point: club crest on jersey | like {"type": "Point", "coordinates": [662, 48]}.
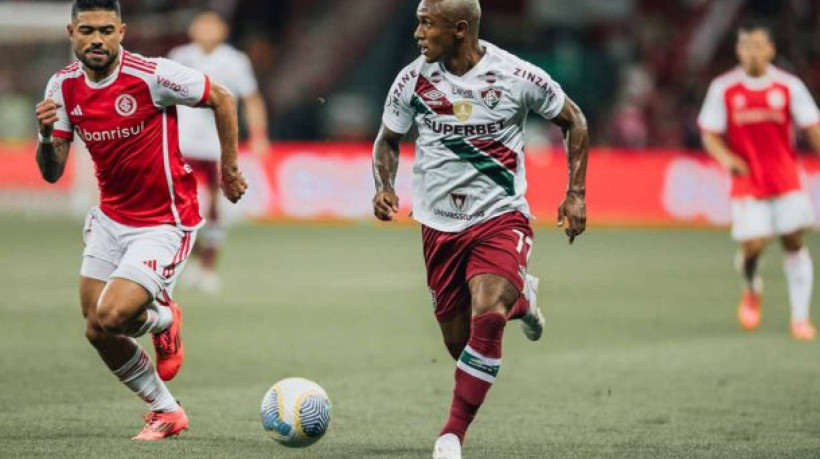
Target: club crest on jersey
{"type": "Point", "coordinates": [776, 99]}
{"type": "Point", "coordinates": [463, 109]}
{"type": "Point", "coordinates": [491, 97]}
{"type": "Point", "coordinates": [125, 105]}
{"type": "Point", "coordinates": [459, 201]}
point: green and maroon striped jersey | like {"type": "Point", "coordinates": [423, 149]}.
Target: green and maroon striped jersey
{"type": "Point", "coordinates": [469, 164]}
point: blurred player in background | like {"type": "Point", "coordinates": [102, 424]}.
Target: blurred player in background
{"type": "Point", "coordinates": [123, 106]}
{"type": "Point", "coordinates": [470, 100]}
{"type": "Point", "coordinates": [746, 124]}
{"type": "Point", "coordinates": [198, 139]}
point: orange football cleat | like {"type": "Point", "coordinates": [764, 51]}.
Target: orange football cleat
{"type": "Point", "coordinates": [748, 312]}
{"type": "Point", "coordinates": [159, 425]}
{"type": "Point", "coordinates": [168, 345]}
{"type": "Point", "coordinates": [803, 330]}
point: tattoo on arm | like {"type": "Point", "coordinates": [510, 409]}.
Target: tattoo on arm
{"type": "Point", "coordinates": [51, 159]}
{"type": "Point", "coordinates": [386, 159]}
{"type": "Point", "coordinates": [576, 141]}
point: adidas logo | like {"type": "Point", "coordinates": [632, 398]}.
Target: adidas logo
{"type": "Point", "coordinates": [77, 111]}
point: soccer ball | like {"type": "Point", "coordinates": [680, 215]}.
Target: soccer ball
{"type": "Point", "coordinates": [296, 412]}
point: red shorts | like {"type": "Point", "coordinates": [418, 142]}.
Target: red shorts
{"type": "Point", "coordinates": [499, 246]}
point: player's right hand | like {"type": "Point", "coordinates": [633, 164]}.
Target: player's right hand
{"type": "Point", "coordinates": [46, 112]}
{"type": "Point", "coordinates": [385, 205]}
{"type": "Point", "coordinates": [736, 165]}
{"type": "Point", "coordinates": [233, 183]}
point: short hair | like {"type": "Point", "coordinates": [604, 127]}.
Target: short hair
{"type": "Point", "coordinates": [468, 10]}
{"type": "Point", "coordinates": [92, 5]}
{"type": "Point", "coordinates": [756, 24]}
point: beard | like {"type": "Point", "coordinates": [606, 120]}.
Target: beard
{"type": "Point", "coordinates": [97, 65]}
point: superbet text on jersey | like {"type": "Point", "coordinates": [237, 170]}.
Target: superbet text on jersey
{"type": "Point", "coordinates": [128, 122]}
{"type": "Point", "coordinates": [757, 115]}
{"type": "Point", "coordinates": [469, 163]}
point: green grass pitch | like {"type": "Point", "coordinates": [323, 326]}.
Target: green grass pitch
{"type": "Point", "coordinates": [642, 356]}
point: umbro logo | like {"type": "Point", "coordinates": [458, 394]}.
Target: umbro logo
{"type": "Point", "coordinates": [77, 111]}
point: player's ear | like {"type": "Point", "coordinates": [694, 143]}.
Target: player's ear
{"type": "Point", "coordinates": [122, 32]}
{"type": "Point", "coordinates": [462, 29]}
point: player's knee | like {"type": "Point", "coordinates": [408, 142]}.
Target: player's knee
{"type": "Point", "coordinates": [792, 242]}
{"type": "Point", "coordinates": [111, 319]}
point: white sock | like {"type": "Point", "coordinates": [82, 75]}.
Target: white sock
{"type": "Point", "coordinates": [157, 319]}
{"type": "Point", "coordinates": [799, 277]}
{"type": "Point", "coordinates": [139, 375]}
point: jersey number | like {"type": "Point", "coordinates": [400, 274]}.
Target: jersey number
{"type": "Point", "coordinates": [523, 238]}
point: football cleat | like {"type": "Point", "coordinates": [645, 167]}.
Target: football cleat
{"type": "Point", "coordinates": [159, 425]}
{"type": "Point", "coordinates": [168, 346]}
{"type": "Point", "coordinates": [532, 323]}
{"type": "Point", "coordinates": [803, 330]}
{"type": "Point", "coordinates": [447, 447]}
{"type": "Point", "coordinates": [748, 312]}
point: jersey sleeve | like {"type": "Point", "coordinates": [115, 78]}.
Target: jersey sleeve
{"type": "Point", "coordinates": [62, 127]}
{"type": "Point", "coordinates": [712, 117]}
{"type": "Point", "coordinates": [398, 109]}
{"type": "Point", "coordinates": [176, 84]}
{"type": "Point", "coordinates": [803, 108]}
{"type": "Point", "coordinates": [540, 93]}
{"type": "Point", "coordinates": [245, 79]}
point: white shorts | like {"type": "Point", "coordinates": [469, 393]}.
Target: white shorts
{"type": "Point", "coordinates": [764, 218]}
{"type": "Point", "coordinates": [152, 256]}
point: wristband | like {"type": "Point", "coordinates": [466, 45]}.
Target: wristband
{"type": "Point", "coordinates": [43, 139]}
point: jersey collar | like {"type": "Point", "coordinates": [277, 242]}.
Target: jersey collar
{"type": "Point", "coordinates": [757, 83]}
{"type": "Point", "coordinates": [477, 68]}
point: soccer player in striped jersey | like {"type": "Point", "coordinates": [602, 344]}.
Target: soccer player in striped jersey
{"type": "Point", "coordinates": [123, 106]}
{"type": "Point", "coordinates": [469, 100]}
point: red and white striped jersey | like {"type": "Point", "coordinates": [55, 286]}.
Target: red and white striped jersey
{"type": "Point", "coordinates": [757, 117]}
{"type": "Point", "coordinates": [128, 122]}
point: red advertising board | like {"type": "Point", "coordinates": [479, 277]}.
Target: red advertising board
{"type": "Point", "coordinates": [321, 181]}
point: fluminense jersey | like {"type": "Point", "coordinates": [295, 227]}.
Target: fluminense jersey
{"type": "Point", "coordinates": [225, 65]}
{"type": "Point", "coordinates": [757, 115]}
{"type": "Point", "coordinates": [128, 122]}
{"type": "Point", "coordinates": [469, 164]}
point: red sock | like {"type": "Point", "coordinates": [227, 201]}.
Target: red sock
{"type": "Point", "coordinates": [475, 372]}
{"type": "Point", "coordinates": [519, 309]}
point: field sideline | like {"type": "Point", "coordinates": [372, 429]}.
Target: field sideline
{"type": "Point", "coordinates": [642, 356]}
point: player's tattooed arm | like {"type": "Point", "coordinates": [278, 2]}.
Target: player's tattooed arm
{"type": "Point", "coordinates": [224, 106]}
{"type": "Point", "coordinates": [52, 153]}
{"type": "Point", "coordinates": [572, 213]}
{"type": "Point", "coordinates": [385, 167]}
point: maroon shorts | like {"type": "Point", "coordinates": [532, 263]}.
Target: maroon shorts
{"type": "Point", "coordinates": [499, 246]}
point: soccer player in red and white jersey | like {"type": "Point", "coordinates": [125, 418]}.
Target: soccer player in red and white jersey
{"type": "Point", "coordinates": [747, 124]}
{"type": "Point", "coordinates": [469, 100]}
{"type": "Point", "coordinates": [123, 106]}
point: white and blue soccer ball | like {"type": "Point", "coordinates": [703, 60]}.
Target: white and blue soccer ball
{"type": "Point", "coordinates": [296, 412]}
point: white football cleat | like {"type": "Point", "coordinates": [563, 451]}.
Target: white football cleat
{"type": "Point", "coordinates": [533, 322]}
{"type": "Point", "coordinates": [447, 447]}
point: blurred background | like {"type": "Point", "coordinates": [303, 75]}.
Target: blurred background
{"type": "Point", "coordinates": [639, 69]}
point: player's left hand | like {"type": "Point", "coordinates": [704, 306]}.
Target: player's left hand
{"type": "Point", "coordinates": [572, 215]}
{"type": "Point", "coordinates": [234, 184]}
